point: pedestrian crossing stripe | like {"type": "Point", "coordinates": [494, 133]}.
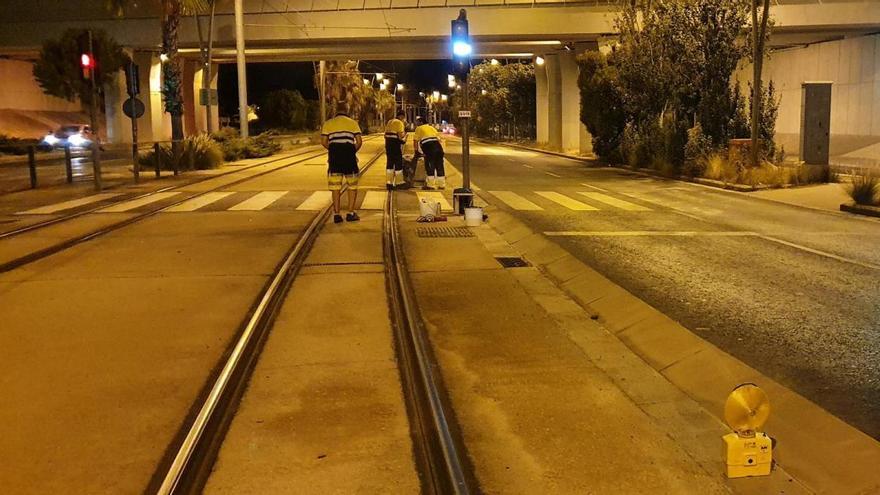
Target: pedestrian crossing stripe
{"type": "Point", "coordinates": [571, 204]}
{"type": "Point", "coordinates": [515, 201]}
{"type": "Point", "coordinates": [374, 200]}
{"type": "Point", "coordinates": [435, 196]}
{"type": "Point", "coordinates": [68, 205]}
{"type": "Point", "coordinates": [137, 203]}
{"type": "Point", "coordinates": [610, 200]}
{"type": "Point", "coordinates": [317, 201]}
{"type": "Point", "coordinates": [200, 201]}
{"type": "Point", "coordinates": [258, 201]}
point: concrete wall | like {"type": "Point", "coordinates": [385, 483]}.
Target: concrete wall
{"type": "Point", "coordinates": [541, 95]}
{"type": "Point", "coordinates": [853, 65]}
{"type": "Point", "coordinates": [20, 90]}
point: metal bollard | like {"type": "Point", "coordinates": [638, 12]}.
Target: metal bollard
{"type": "Point", "coordinates": [68, 164]}
{"type": "Point", "coordinates": [158, 159]}
{"type": "Point", "coordinates": [175, 156]}
{"type": "Point", "coordinates": [32, 166]}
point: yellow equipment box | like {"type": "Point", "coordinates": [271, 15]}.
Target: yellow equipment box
{"type": "Point", "coordinates": [747, 456]}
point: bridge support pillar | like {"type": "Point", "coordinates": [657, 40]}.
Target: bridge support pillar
{"type": "Point", "coordinates": [575, 137]}
{"type": "Point", "coordinates": [117, 127]}
{"type": "Point", "coordinates": [554, 101]}
{"type": "Point", "coordinates": [541, 100]}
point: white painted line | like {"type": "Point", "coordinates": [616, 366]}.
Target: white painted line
{"type": "Point", "coordinates": [610, 200]}
{"type": "Point", "coordinates": [66, 205]}
{"type": "Point", "coordinates": [515, 201]}
{"type": "Point", "coordinates": [436, 196]}
{"type": "Point", "coordinates": [200, 201]}
{"type": "Point", "coordinates": [641, 233]}
{"type": "Point", "coordinates": [137, 203]}
{"type": "Point", "coordinates": [551, 174]}
{"type": "Point", "coordinates": [526, 165]}
{"type": "Point", "coordinates": [594, 187]}
{"type": "Point", "coordinates": [258, 201]}
{"type": "Point", "coordinates": [475, 187]}
{"type": "Point", "coordinates": [571, 204]}
{"type": "Point", "coordinates": [317, 201]}
{"type": "Point", "coordinates": [821, 253]}
{"type": "Point", "coordinates": [374, 200]}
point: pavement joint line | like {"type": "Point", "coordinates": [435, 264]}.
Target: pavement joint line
{"type": "Point", "coordinates": [820, 253]}
{"type": "Point", "coordinates": [635, 233]}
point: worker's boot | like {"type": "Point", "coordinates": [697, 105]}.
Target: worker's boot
{"type": "Point", "coordinates": [389, 179]}
{"type": "Point", "coordinates": [440, 182]}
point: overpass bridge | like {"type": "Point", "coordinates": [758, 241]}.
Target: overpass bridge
{"type": "Point", "coordinates": [308, 30]}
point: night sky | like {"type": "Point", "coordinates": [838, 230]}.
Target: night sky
{"type": "Point", "coordinates": [419, 75]}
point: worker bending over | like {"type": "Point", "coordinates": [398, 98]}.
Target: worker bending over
{"type": "Point", "coordinates": [427, 142]}
{"type": "Point", "coordinates": [342, 137]}
{"type": "Point", "coordinates": [395, 139]}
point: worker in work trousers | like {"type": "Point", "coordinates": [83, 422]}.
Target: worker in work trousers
{"type": "Point", "coordinates": [395, 138]}
{"type": "Point", "coordinates": [427, 143]}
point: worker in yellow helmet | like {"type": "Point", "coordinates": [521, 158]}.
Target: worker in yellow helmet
{"type": "Point", "coordinates": [395, 139]}
{"type": "Point", "coordinates": [427, 142]}
{"type": "Point", "coordinates": [341, 135]}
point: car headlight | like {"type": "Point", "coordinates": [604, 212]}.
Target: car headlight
{"type": "Point", "coordinates": [78, 140]}
{"type": "Point", "coordinates": [50, 139]}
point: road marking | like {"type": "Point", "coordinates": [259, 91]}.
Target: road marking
{"type": "Point", "coordinates": [526, 165]}
{"type": "Point", "coordinates": [820, 253]}
{"type": "Point", "coordinates": [318, 200]}
{"type": "Point", "coordinates": [610, 200]}
{"type": "Point", "coordinates": [435, 196]}
{"type": "Point", "coordinates": [594, 187]}
{"type": "Point", "coordinates": [551, 174]}
{"type": "Point", "coordinates": [515, 201]}
{"type": "Point", "coordinates": [66, 205]}
{"type": "Point", "coordinates": [640, 233]}
{"type": "Point", "coordinates": [259, 201]}
{"type": "Point", "coordinates": [137, 203]}
{"type": "Point", "coordinates": [200, 201]}
{"type": "Point", "coordinates": [571, 204]}
{"type": "Point", "coordinates": [374, 200]}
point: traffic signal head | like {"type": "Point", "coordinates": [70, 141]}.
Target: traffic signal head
{"type": "Point", "coordinates": [85, 60]}
{"type": "Point", "coordinates": [461, 45]}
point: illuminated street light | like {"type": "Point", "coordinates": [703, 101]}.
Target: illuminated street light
{"type": "Point", "coordinates": [452, 83]}
{"type": "Point", "coordinates": [380, 76]}
{"type": "Point", "coordinates": [483, 92]}
{"type": "Point", "coordinates": [539, 60]}
{"type": "Point", "coordinates": [494, 61]}
{"type": "Point", "coordinates": [444, 97]}
{"type": "Point", "coordinates": [366, 82]}
{"type": "Point", "coordinates": [436, 95]}
{"type": "Point", "coordinates": [383, 86]}
{"type": "Point", "coordinates": [450, 77]}
{"type": "Point", "coordinates": [399, 86]}
{"type": "Point", "coordinates": [163, 57]}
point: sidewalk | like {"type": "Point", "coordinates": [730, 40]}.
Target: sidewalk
{"type": "Point", "coordinates": [545, 363]}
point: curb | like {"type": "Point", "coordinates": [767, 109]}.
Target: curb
{"type": "Point", "coordinates": [867, 210]}
{"type": "Point", "coordinates": [705, 373]}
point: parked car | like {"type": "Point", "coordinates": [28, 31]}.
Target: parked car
{"type": "Point", "coordinates": [75, 135]}
{"type": "Point", "coordinates": [449, 129]}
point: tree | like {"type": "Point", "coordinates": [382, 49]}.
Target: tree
{"type": "Point", "coordinates": [284, 109]}
{"type": "Point", "coordinates": [602, 104]}
{"type": "Point", "coordinates": [172, 10]}
{"type": "Point", "coordinates": [344, 86]}
{"type": "Point", "coordinates": [759, 38]}
{"type": "Point", "coordinates": [502, 98]}
{"type": "Point", "coordinates": [58, 70]}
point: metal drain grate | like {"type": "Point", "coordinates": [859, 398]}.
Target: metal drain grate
{"type": "Point", "coordinates": [444, 232]}
{"type": "Point", "coordinates": [512, 262]}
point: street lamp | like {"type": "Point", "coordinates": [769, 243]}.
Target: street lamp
{"type": "Point", "coordinates": [444, 97]}
{"type": "Point", "coordinates": [366, 82]}
{"type": "Point", "coordinates": [400, 86]}
{"type": "Point", "coordinates": [539, 60]}
{"type": "Point", "coordinates": [380, 76]}
{"type": "Point", "coordinates": [436, 95]}
{"type": "Point", "coordinates": [494, 61]}
{"type": "Point", "coordinates": [452, 83]}
{"type": "Point", "coordinates": [163, 57]}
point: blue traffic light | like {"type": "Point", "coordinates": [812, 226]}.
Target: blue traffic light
{"type": "Point", "coordinates": [461, 48]}
{"type": "Point", "coordinates": [461, 45]}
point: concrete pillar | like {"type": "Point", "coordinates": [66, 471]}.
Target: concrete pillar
{"type": "Point", "coordinates": [190, 96]}
{"type": "Point", "coordinates": [158, 121]}
{"type": "Point", "coordinates": [541, 122]}
{"type": "Point", "coordinates": [117, 127]}
{"type": "Point", "coordinates": [201, 114]}
{"type": "Point", "coordinates": [575, 137]}
{"type": "Point", "coordinates": [554, 101]}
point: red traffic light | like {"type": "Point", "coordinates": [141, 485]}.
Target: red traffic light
{"type": "Point", "coordinates": [85, 60]}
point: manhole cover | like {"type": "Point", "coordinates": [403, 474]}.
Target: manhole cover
{"type": "Point", "coordinates": [444, 232]}
{"type": "Point", "coordinates": [512, 262]}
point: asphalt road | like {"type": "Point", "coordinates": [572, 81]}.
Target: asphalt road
{"type": "Point", "coordinates": [793, 292]}
{"type": "Point", "coordinates": [15, 176]}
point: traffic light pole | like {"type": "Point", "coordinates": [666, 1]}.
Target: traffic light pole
{"type": "Point", "coordinates": [93, 117]}
{"type": "Point", "coordinates": [465, 140]}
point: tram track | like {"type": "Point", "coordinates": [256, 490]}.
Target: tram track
{"type": "Point", "coordinates": [77, 240]}
{"type": "Point", "coordinates": [437, 446]}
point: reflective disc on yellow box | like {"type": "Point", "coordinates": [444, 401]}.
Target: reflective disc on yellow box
{"type": "Point", "coordinates": [747, 408]}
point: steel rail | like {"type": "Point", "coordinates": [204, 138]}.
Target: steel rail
{"type": "Point", "coordinates": [54, 221]}
{"type": "Point", "coordinates": [438, 448]}
{"type": "Point", "coordinates": [191, 465]}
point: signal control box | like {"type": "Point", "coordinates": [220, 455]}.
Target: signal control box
{"type": "Point", "coordinates": [748, 455]}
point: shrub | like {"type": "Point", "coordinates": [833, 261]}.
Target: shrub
{"type": "Point", "coordinates": [696, 151]}
{"type": "Point", "coordinates": [259, 146]}
{"type": "Point", "coordinates": [224, 134]}
{"type": "Point", "coordinates": [602, 110]}
{"type": "Point", "coordinates": [198, 152]}
{"type": "Point", "coordinates": [865, 188]}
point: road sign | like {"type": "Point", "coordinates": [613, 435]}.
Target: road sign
{"type": "Point", "coordinates": [464, 114]}
{"type": "Point", "coordinates": [133, 108]}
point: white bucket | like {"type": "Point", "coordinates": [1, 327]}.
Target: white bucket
{"type": "Point", "coordinates": [473, 217]}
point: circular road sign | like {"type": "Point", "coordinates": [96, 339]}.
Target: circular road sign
{"type": "Point", "coordinates": [133, 108]}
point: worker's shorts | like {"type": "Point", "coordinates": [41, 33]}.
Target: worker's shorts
{"type": "Point", "coordinates": [334, 181]}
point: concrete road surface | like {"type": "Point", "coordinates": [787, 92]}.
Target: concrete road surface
{"type": "Point", "coordinates": [792, 291]}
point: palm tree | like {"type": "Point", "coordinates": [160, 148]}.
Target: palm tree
{"type": "Point", "coordinates": [172, 11]}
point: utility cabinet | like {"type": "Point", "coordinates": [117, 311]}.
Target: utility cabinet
{"type": "Point", "coordinates": [815, 122]}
